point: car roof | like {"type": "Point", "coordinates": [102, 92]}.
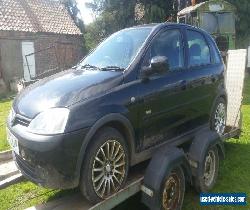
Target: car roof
{"type": "Point", "coordinates": [158, 26]}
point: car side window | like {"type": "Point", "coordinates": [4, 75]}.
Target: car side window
{"type": "Point", "coordinates": [199, 53]}
{"type": "Point", "coordinates": [217, 58]}
{"type": "Point", "coordinates": [169, 44]}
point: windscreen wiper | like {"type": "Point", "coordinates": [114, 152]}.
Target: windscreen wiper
{"type": "Point", "coordinates": [112, 68]}
{"type": "Point", "coordinates": [89, 66]}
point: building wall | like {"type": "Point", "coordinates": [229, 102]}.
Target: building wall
{"type": "Point", "coordinates": [11, 59]}
{"type": "Point", "coordinates": [57, 52]}
{"type": "Point", "coordinates": [51, 51]}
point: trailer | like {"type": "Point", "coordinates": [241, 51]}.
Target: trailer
{"type": "Point", "coordinates": [173, 166]}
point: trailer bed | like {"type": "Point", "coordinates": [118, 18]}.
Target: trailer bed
{"type": "Point", "coordinates": [76, 201]}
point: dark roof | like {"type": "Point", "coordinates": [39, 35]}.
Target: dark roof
{"type": "Point", "coordinates": [36, 16]}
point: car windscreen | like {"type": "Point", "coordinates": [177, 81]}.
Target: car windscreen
{"type": "Point", "coordinates": [119, 49]}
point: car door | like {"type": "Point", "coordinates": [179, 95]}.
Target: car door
{"type": "Point", "coordinates": [200, 78]}
{"type": "Point", "coordinates": [164, 95]}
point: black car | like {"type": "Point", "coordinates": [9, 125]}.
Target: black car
{"type": "Point", "coordinates": [141, 88]}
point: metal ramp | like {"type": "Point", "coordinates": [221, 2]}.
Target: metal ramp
{"type": "Point", "coordinates": [234, 79]}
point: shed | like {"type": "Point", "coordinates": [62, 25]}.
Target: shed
{"type": "Point", "coordinates": [36, 36]}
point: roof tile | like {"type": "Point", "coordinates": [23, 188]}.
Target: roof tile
{"type": "Point", "coordinates": [36, 16]}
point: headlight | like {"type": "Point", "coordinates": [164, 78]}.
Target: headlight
{"type": "Point", "coordinates": [51, 121]}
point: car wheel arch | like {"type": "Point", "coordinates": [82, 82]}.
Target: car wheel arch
{"type": "Point", "coordinates": [116, 121]}
{"type": "Point", "coordinates": [224, 96]}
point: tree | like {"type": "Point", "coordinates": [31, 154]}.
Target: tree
{"type": "Point", "coordinates": [158, 10]}
{"type": "Point", "coordinates": [97, 6]}
{"type": "Point", "coordinates": [113, 15]}
{"type": "Point", "coordinates": [74, 12]}
{"type": "Point", "coordinates": [110, 16]}
{"type": "Point", "coordinates": [242, 22]}
{"type": "Point", "coordinates": [102, 27]}
{"type": "Point", "coordinates": [121, 10]}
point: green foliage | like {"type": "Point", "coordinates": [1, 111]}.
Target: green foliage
{"type": "Point", "coordinates": [98, 30]}
{"type": "Point", "coordinates": [154, 13]}
{"type": "Point", "coordinates": [113, 15]}
{"type": "Point", "coordinates": [157, 11]}
{"type": "Point", "coordinates": [242, 22]}
{"type": "Point", "coordinates": [5, 105]}
{"type": "Point", "coordinates": [73, 10]}
{"type": "Point", "coordinates": [123, 12]}
{"type": "Point", "coordinates": [96, 6]}
{"type": "Point", "coordinates": [246, 93]}
{"type": "Point", "coordinates": [26, 194]}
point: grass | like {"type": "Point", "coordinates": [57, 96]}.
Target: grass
{"type": "Point", "coordinates": [26, 194]}
{"type": "Point", "coordinates": [5, 105]}
{"type": "Point", "coordinates": [234, 176]}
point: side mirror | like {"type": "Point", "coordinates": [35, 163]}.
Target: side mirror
{"type": "Point", "coordinates": [158, 65]}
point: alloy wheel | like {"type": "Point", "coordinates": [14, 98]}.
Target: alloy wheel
{"type": "Point", "coordinates": [108, 170]}
{"type": "Point", "coordinates": [220, 118]}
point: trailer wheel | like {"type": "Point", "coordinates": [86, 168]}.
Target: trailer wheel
{"type": "Point", "coordinates": [105, 167]}
{"type": "Point", "coordinates": [173, 190]}
{"type": "Point", "coordinates": [209, 171]}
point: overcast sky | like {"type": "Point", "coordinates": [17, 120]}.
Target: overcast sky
{"type": "Point", "coordinates": [85, 12]}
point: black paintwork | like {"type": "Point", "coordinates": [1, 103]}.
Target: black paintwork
{"type": "Point", "coordinates": [180, 101]}
{"type": "Point", "coordinates": [64, 89]}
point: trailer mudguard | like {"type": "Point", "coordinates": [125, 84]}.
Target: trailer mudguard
{"type": "Point", "coordinates": [161, 164]}
{"type": "Point", "coordinates": [197, 151]}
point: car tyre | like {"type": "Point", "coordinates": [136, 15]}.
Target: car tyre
{"type": "Point", "coordinates": [173, 190]}
{"type": "Point", "coordinates": [105, 167]}
{"type": "Point", "coordinates": [208, 172]}
{"type": "Point", "coordinates": [218, 116]}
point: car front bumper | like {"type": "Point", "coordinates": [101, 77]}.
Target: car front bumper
{"type": "Point", "coordinates": [50, 161]}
